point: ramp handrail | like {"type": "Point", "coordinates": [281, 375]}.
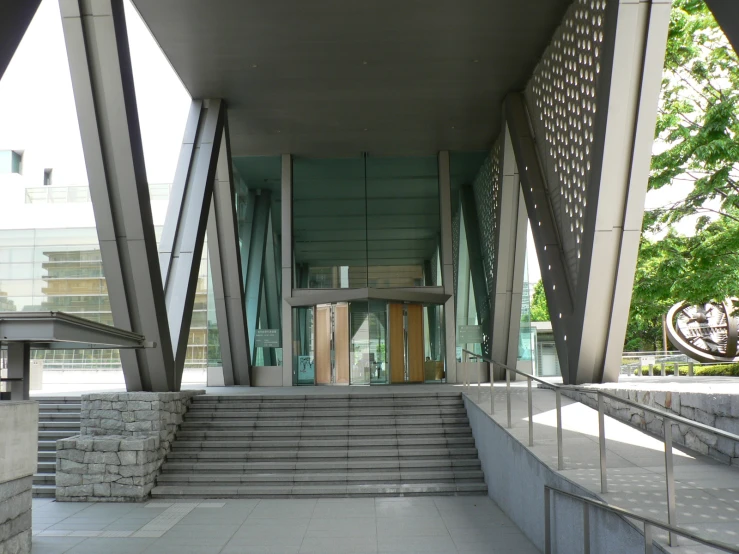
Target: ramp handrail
{"type": "Point", "coordinates": [600, 395]}
{"type": "Point", "coordinates": [550, 492]}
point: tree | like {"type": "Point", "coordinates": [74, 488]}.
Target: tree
{"type": "Point", "coordinates": [698, 130]}
{"type": "Point", "coordinates": [539, 308]}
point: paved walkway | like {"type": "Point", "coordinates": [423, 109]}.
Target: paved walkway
{"type": "Point", "coordinates": [707, 491]}
{"type": "Point", "coordinates": [463, 524]}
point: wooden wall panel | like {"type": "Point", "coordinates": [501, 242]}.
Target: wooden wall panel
{"type": "Point", "coordinates": [323, 345]}
{"type": "Point", "coordinates": [341, 345]}
{"type": "Point", "coordinates": [396, 343]}
{"type": "Point", "coordinates": [415, 343]}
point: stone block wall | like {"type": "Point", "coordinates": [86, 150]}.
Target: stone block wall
{"type": "Point", "coordinates": [717, 410]}
{"type": "Point", "coordinates": [110, 468]}
{"type": "Point", "coordinates": [124, 440]}
{"type": "Point", "coordinates": [15, 516]}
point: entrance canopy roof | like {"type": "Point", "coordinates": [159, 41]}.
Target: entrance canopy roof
{"type": "Point", "coordinates": [332, 78]}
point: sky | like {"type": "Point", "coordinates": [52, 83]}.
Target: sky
{"type": "Point", "coordinates": [37, 111]}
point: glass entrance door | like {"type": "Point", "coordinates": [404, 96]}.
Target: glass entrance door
{"type": "Point", "coordinates": [368, 342]}
{"type": "Point", "coordinates": [406, 343]}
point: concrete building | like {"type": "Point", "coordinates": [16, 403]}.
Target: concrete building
{"type": "Point", "coordinates": [359, 178]}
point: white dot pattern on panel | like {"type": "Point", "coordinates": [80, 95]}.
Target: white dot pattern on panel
{"type": "Point", "coordinates": [487, 197]}
{"type": "Point", "coordinates": [562, 97]}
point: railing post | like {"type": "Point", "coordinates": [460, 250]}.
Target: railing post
{"type": "Point", "coordinates": [586, 528]}
{"type": "Point", "coordinates": [492, 389]}
{"type": "Point", "coordinates": [651, 370]}
{"type": "Point", "coordinates": [670, 480]}
{"type": "Point", "coordinates": [547, 521]}
{"type": "Point", "coordinates": [648, 547]}
{"type": "Point", "coordinates": [531, 414]}
{"type": "Point", "coordinates": [602, 443]}
{"type": "Point", "coordinates": [663, 368]}
{"type": "Point", "coordinates": [508, 394]}
{"type": "Point", "coordinates": [560, 454]}
{"type": "Point", "coordinates": [690, 369]}
{"type": "Point", "coordinates": [477, 370]}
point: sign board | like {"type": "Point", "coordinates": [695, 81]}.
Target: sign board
{"type": "Point", "coordinates": [306, 370]}
{"type": "Point", "coordinates": [467, 334]}
{"type": "Point", "coordinates": [267, 338]}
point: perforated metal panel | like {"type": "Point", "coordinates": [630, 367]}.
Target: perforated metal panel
{"type": "Point", "coordinates": [561, 98]}
{"type": "Point", "coordinates": [487, 200]}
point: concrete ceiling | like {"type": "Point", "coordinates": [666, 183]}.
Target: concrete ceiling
{"type": "Point", "coordinates": [332, 78]}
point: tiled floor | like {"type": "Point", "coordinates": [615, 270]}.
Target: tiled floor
{"type": "Point", "coordinates": [447, 525]}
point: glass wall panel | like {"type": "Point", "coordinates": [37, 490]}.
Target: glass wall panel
{"type": "Point", "coordinates": [304, 358]}
{"type": "Point", "coordinates": [330, 223]}
{"type": "Point", "coordinates": [378, 342]}
{"type": "Point", "coordinates": [403, 222]}
{"type": "Point", "coordinates": [360, 353]}
{"type": "Point", "coordinates": [434, 343]}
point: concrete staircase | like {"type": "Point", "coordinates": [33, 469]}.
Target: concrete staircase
{"type": "Point", "coordinates": [350, 444]}
{"type": "Point", "coordinates": [59, 418]}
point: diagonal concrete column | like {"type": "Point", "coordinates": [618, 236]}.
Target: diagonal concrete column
{"type": "Point", "coordinates": [100, 66]}
{"type": "Point", "coordinates": [14, 23]}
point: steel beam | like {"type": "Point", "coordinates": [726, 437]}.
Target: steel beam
{"type": "Point", "coordinates": [447, 266]}
{"type": "Point", "coordinates": [255, 267]}
{"type": "Point", "coordinates": [14, 23]}
{"type": "Point", "coordinates": [286, 197]}
{"type": "Point", "coordinates": [183, 235]}
{"type": "Point", "coordinates": [474, 251]}
{"type": "Point", "coordinates": [588, 272]}
{"type": "Point", "coordinates": [226, 271]}
{"type": "Point", "coordinates": [510, 248]}
{"type": "Point", "coordinates": [271, 288]}
{"type": "Point", "coordinates": [102, 81]}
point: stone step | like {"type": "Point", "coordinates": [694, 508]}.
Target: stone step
{"type": "Point", "coordinates": [330, 433]}
{"type": "Point", "coordinates": [201, 412]}
{"type": "Point", "coordinates": [327, 454]}
{"type": "Point", "coordinates": [55, 434]}
{"type": "Point", "coordinates": [349, 477]}
{"type": "Point", "coordinates": [312, 405]}
{"type": "Point", "coordinates": [44, 479]}
{"type": "Point", "coordinates": [57, 399]}
{"type": "Point", "coordinates": [309, 491]}
{"type": "Point", "coordinates": [45, 408]}
{"type": "Point", "coordinates": [46, 466]}
{"type": "Point", "coordinates": [324, 422]}
{"type": "Point", "coordinates": [381, 464]}
{"type": "Point", "coordinates": [59, 416]}
{"type": "Point", "coordinates": [46, 445]}
{"type": "Point", "coordinates": [319, 443]}
{"type": "Point", "coordinates": [327, 396]}
{"type": "Point", "coordinates": [43, 491]}
{"type": "Point", "coordinates": [61, 425]}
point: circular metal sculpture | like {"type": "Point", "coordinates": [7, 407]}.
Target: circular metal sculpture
{"type": "Point", "coordinates": [706, 332]}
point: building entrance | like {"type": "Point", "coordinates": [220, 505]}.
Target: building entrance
{"type": "Point", "coordinates": [367, 343]}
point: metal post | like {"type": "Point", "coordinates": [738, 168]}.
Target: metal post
{"type": "Point", "coordinates": [662, 369]}
{"type": "Point", "coordinates": [690, 369]}
{"type": "Point", "coordinates": [492, 389]}
{"type": "Point", "coordinates": [477, 370]}
{"type": "Point", "coordinates": [670, 480]}
{"type": "Point", "coordinates": [531, 414]}
{"type": "Point", "coordinates": [651, 370]}
{"type": "Point", "coordinates": [586, 528]}
{"type": "Point", "coordinates": [19, 367]}
{"type": "Point", "coordinates": [560, 454]}
{"type": "Point", "coordinates": [508, 394]}
{"type": "Point", "coordinates": [547, 521]}
{"type": "Point", "coordinates": [602, 443]}
{"type": "Point", "coordinates": [648, 547]}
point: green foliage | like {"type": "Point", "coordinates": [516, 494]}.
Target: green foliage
{"type": "Point", "coordinates": [721, 370]}
{"type": "Point", "coordinates": [539, 308]}
{"type": "Point", "coordinates": [698, 124]}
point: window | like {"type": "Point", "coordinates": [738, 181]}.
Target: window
{"type": "Point", "coordinates": [11, 161]}
{"type": "Point", "coordinates": [47, 177]}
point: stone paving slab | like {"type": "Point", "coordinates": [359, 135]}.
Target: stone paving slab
{"type": "Point", "coordinates": [448, 525]}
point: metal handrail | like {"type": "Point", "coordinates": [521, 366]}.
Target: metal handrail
{"type": "Point", "coordinates": [648, 522]}
{"type": "Point", "coordinates": [600, 395]}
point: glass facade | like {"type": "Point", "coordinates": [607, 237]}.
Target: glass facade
{"type": "Point", "coordinates": [366, 222]}
{"type": "Point", "coordinates": [372, 342]}
{"type": "Point", "coordinates": [62, 270]}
